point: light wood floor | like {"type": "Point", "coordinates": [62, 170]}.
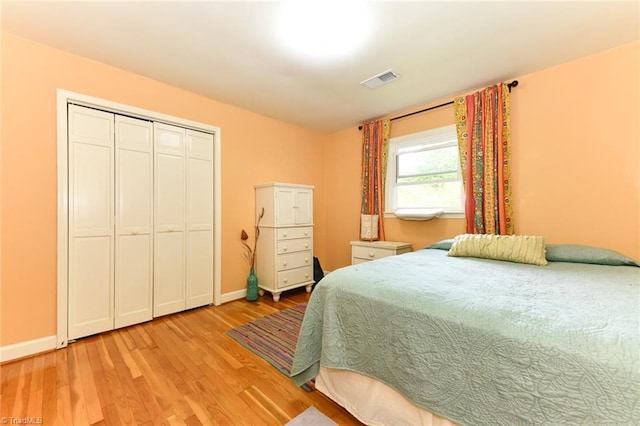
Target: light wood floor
{"type": "Point", "coordinates": [181, 369]}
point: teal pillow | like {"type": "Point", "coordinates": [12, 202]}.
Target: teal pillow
{"type": "Point", "coordinates": [442, 245]}
{"type": "Point", "coordinates": [585, 254]}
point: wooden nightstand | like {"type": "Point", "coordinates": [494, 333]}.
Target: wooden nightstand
{"type": "Point", "coordinates": [365, 251]}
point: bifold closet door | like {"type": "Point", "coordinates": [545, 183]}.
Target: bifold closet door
{"type": "Point", "coordinates": [169, 219]}
{"type": "Point", "coordinates": [134, 221]}
{"type": "Point", "coordinates": [91, 227]}
{"type": "Point", "coordinates": [199, 215]}
{"type": "Point", "coordinates": [183, 261]}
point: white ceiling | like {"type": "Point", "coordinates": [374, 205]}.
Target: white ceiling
{"type": "Point", "coordinates": [231, 52]}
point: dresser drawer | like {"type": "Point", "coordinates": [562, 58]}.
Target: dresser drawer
{"type": "Point", "coordinates": [293, 260]}
{"type": "Point", "coordinates": [371, 253]}
{"type": "Point", "coordinates": [290, 246]}
{"type": "Point", "coordinates": [292, 233]}
{"type": "Point", "coordinates": [294, 276]}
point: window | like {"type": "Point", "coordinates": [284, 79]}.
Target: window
{"type": "Point", "coordinates": [424, 172]}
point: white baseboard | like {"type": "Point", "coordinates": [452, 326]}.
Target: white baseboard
{"type": "Point", "coordinates": [234, 295]}
{"type": "Point", "coordinates": [24, 349]}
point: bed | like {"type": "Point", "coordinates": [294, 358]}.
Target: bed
{"type": "Point", "coordinates": [478, 341]}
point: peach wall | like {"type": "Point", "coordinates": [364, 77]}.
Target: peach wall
{"type": "Point", "coordinates": [575, 158]}
{"type": "Point", "coordinates": [577, 163]}
{"type": "Point", "coordinates": [255, 149]}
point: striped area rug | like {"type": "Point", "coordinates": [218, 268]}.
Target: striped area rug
{"type": "Point", "coordinates": [273, 337]}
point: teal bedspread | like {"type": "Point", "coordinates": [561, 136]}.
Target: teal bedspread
{"type": "Point", "coordinates": [484, 342]}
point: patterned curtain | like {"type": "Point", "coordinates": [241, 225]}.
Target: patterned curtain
{"type": "Point", "coordinates": [482, 122]}
{"type": "Point", "coordinates": [375, 145]}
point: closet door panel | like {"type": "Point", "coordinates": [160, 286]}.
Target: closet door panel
{"type": "Point", "coordinates": [169, 294]}
{"type": "Point", "coordinates": [134, 221]}
{"type": "Point", "coordinates": [170, 193]}
{"type": "Point", "coordinates": [169, 219]}
{"type": "Point", "coordinates": [199, 269]}
{"type": "Point", "coordinates": [199, 255]}
{"type": "Point", "coordinates": [91, 298]}
{"type": "Point", "coordinates": [134, 281]}
{"type": "Point", "coordinates": [91, 226]}
{"type": "Point", "coordinates": [200, 145]}
{"type": "Point", "coordinates": [135, 191]}
{"type": "Point", "coordinates": [92, 189]}
{"type": "Point", "coordinates": [200, 190]}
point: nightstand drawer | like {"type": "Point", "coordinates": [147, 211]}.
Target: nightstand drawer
{"type": "Point", "coordinates": [364, 251]}
{"type": "Point", "coordinates": [371, 253]}
{"type": "Point", "coordinates": [295, 276]}
{"type": "Point", "coordinates": [292, 233]}
{"type": "Point", "coordinates": [291, 246]}
{"type": "Point", "coordinates": [293, 260]}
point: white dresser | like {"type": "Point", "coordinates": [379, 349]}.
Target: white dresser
{"type": "Point", "coordinates": [284, 254]}
{"type": "Point", "coordinates": [365, 251]}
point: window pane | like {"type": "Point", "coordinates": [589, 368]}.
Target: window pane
{"type": "Point", "coordinates": [425, 162]}
{"type": "Point", "coordinates": [428, 178]}
{"type": "Point", "coordinates": [442, 194]}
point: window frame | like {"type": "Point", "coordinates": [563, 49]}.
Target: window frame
{"type": "Point", "coordinates": [435, 138]}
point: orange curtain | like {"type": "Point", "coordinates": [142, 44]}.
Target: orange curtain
{"type": "Point", "coordinates": [482, 122]}
{"type": "Point", "coordinates": [375, 145]}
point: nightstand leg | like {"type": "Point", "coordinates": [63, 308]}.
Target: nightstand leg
{"type": "Point", "coordinates": [261, 292]}
{"type": "Point", "coordinates": [308, 288]}
{"type": "Point", "coordinates": [276, 297]}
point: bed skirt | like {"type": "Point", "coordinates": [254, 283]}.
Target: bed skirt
{"type": "Point", "coordinates": [372, 402]}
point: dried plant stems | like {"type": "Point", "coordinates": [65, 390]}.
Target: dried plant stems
{"type": "Point", "coordinates": [250, 253]}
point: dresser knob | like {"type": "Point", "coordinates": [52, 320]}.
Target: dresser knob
{"type": "Point", "coordinates": [284, 263]}
{"type": "Point", "coordinates": [284, 248]}
{"type": "Point", "coordinates": [306, 246]}
{"type": "Point", "coordinates": [306, 259]}
{"type": "Point", "coordinates": [285, 280]}
{"type": "Point", "coordinates": [371, 254]}
{"type": "Point", "coordinates": [284, 234]}
{"type": "Point", "coordinates": [306, 275]}
{"type": "Point", "coordinates": [306, 233]}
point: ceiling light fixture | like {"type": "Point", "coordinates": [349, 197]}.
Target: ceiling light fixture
{"type": "Point", "coordinates": [323, 29]}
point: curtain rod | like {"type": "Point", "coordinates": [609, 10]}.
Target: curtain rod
{"type": "Point", "coordinates": [511, 85]}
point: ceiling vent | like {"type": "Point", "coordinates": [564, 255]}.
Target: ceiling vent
{"type": "Point", "coordinates": [378, 80]}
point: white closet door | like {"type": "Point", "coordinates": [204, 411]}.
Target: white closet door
{"type": "Point", "coordinates": [134, 221]}
{"type": "Point", "coordinates": [169, 219]}
{"type": "Point", "coordinates": [91, 228]}
{"type": "Point", "coordinates": [199, 264]}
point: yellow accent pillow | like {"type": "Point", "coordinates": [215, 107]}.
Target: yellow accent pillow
{"type": "Point", "coordinates": [512, 248]}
